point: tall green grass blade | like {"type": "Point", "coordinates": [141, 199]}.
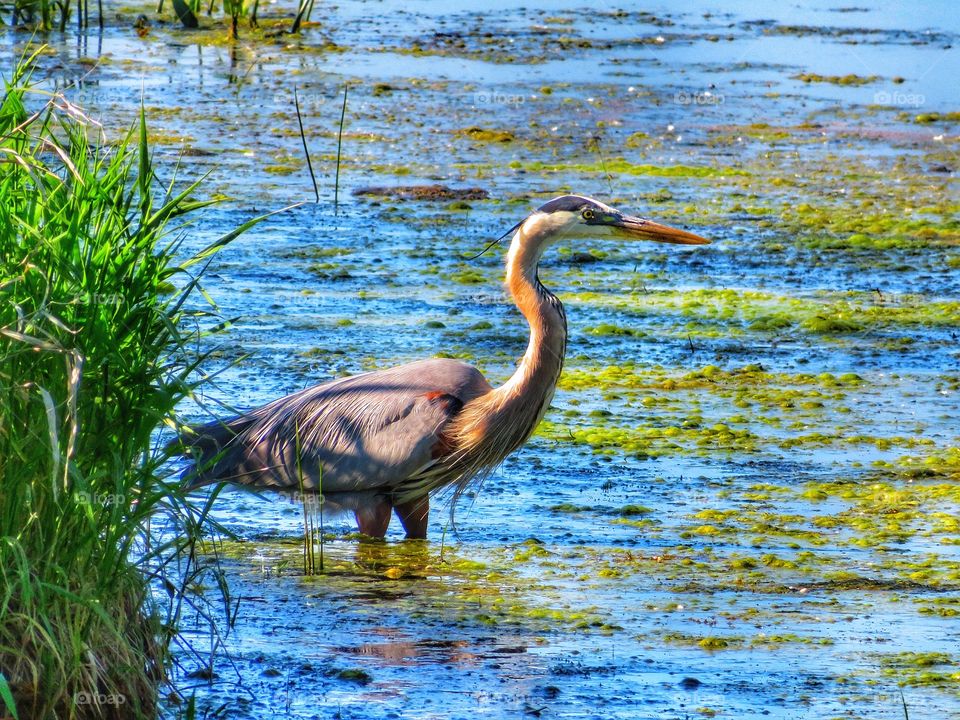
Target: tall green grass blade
{"type": "Point", "coordinates": [7, 697]}
{"type": "Point", "coordinates": [306, 150]}
{"type": "Point", "coordinates": [52, 423]}
{"type": "Point", "coordinates": [185, 14]}
{"type": "Point", "coordinates": [145, 173]}
{"type": "Point", "coordinates": [336, 180]}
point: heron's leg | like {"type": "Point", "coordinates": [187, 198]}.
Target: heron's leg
{"type": "Point", "coordinates": [414, 515]}
{"type": "Point", "coordinates": [374, 518]}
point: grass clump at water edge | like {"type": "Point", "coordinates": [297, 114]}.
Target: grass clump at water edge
{"type": "Point", "coordinates": [95, 353]}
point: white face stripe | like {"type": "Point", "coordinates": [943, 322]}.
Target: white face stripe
{"type": "Point", "coordinates": [556, 222]}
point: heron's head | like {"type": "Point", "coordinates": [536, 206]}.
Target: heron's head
{"type": "Point", "coordinates": [575, 216]}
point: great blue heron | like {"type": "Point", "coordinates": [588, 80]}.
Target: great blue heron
{"type": "Point", "coordinates": [384, 441]}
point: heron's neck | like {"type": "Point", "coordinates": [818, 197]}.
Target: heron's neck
{"type": "Point", "coordinates": [531, 387]}
{"type": "Point", "coordinates": [495, 424]}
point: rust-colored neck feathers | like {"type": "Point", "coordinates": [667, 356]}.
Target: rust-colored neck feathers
{"type": "Point", "coordinates": [492, 426]}
{"type": "Point", "coordinates": [536, 376]}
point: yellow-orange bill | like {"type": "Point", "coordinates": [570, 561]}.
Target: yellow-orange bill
{"type": "Point", "coordinates": [649, 230]}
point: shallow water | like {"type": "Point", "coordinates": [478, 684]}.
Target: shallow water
{"type": "Point", "coordinates": [743, 502]}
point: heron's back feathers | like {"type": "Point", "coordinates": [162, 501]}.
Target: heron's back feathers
{"type": "Point", "coordinates": [370, 432]}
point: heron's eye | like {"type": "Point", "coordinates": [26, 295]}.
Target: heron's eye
{"type": "Point", "coordinates": [587, 214]}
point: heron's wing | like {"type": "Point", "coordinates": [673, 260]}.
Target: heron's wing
{"type": "Point", "coordinates": [370, 431]}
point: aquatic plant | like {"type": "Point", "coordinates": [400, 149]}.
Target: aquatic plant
{"type": "Point", "coordinates": [50, 14]}
{"type": "Point", "coordinates": [304, 9]}
{"type": "Point", "coordinates": [97, 347]}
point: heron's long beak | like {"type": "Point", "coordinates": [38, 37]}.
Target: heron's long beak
{"type": "Point", "coordinates": [643, 229]}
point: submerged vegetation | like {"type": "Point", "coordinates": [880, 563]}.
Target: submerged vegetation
{"type": "Point", "coordinates": [97, 347]}
{"type": "Point", "coordinates": [47, 15]}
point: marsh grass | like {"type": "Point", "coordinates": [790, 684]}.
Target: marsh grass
{"type": "Point", "coordinates": [336, 181]}
{"type": "Point", "coordinates": [50, 14]}
{"type": "Point", "coordinates": [98, 344]}
{"type": "Point", "coordinates": [312, 505]}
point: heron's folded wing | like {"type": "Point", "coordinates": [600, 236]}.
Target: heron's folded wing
{"type": "Point", "coordinates": [368, 431]}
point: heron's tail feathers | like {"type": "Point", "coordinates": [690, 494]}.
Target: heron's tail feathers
{"type": "Point", "coordinates": [209, 446]}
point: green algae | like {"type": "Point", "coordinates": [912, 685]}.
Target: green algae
{"type": "Point", "coordinates": [355, 675]}
{"type": "Point", "coordinates": [935, 117]}
{"type": "Point", "coordinates": [470, 276]}
{"type": "Point", "coordinates": [826, 313]}
{"type": "Point", "coordinates": [942, 607]}
{"type": "Point", "coordinates": [492, 584]}
{"type": "Point", "coordinates": [709, 642]}
{"type": "Point", "coordinates": [654, 441]}
{"type": "Point", "coordinates": [873, 514]}
{"type": "Point", "coordinates": [611, 329]}
{"type": "Point", "coordinates": [668, 412]}
{"type": "Point", "coordinates": [484, 135]}
{"type": "Point", "coordinates": [570, 508]}
{"type": "Point", "coordinates": [923, 669]}
{"type": "Point", "coordinates": [943, 463]}
{"type": "Point", "coordinates": [849, 79]}
{"type": "Point", "coordinates": [621, 166]}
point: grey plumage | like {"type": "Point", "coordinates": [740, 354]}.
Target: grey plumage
{"type": "Point", "coordinates": [369, 432]}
